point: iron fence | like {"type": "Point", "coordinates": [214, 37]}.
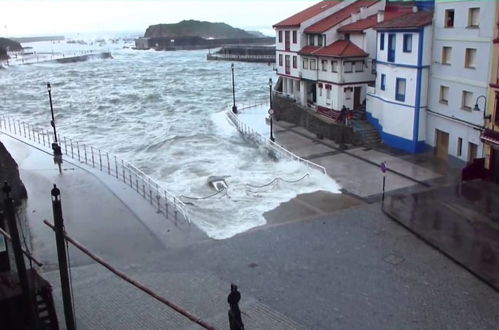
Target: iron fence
{"type": "Point", "coordinates": [161, 199]}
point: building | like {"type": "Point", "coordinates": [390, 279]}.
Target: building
{"type": "Point", "coordinates": [460, 75]}
{"type": "Point", "coordinates": [490, 135]}
{"type": "Point", "coordinates": [397, 105]}
{"type": "Point", "coordinates": [319, 66]}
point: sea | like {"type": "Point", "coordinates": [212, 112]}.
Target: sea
{"type": "Point", "coordinates": [164, 112]}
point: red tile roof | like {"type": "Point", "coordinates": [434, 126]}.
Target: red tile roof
{"type": "Point", "coordinates": [371, 21]}
{"type": "Point", "coordinates": [339, 48]}
{"type": "Point", "coordinates": [408, 21]}
{"type": "Point", "coordinates": [297, 19]}
{"type": "Point", "coordinates": [338, 17]}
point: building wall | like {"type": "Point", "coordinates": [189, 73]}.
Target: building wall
{"type": "Point", "coordinates": [451, 117]}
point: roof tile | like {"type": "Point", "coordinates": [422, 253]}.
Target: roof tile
{"type": "Point", "coordinates": [408, 21]}
{"type": "Point", "coordinates": [297, 19]}
{"type": "Point", "coordinates": [339, 48]}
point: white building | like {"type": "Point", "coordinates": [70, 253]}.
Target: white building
{"type": "Point", "coordinates": [397, 105]}
{"type": "Point", "coordinates": [325, 69]}
{"type": "Point", "coordinates": [460, 73]}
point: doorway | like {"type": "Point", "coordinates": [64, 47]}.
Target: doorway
{"type": "Point", "coordinates": [442, 144]}
{"type": "Point", "coordinates": [356, 98]}
{"type": "Point", "coordinates": [494, 166]}
{"type": "Point", "coordinates": [472, 151]}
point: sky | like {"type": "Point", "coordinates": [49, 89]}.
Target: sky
{"type": "Point", "coordinates": [43, 17]}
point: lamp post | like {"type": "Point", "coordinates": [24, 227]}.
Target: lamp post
{"type": "Point", "coordinates": [271, 111]}
{"type": "Point", "coordinates": [477, 108]}
{"type": "Point", "coordinates": [234, 108]}
{"type": "Point", "coordinates": [52, 122]}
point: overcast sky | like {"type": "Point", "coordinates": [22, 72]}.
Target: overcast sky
{"type": "Point", "coordinates": [39, 17]}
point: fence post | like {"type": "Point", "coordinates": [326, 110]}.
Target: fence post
{"type": "Point", "coordinates": [123, 168]}
{"type": "Point", "coordinates": [175, 210]}
{"type": "Point", "coordinates": [92, 152]}
{"type": "Point", "coordinates": [137, 183]}
{"type": "Point", "coordinates": [85, 151]}
{"type": "Point", "coordinates": [72, 154]}
{"type": "Point", "coordinates": [38, 133]}
{"type": "Point", "coordinates": [43, 137]}
{"type": "Point", "coordinates": [63, 258]}
{"type": "Point", "coordinates": [157, 199]}
{"type": "Point", "coordinates": [166, 205]}
{"type": "Point", "coordinates": [116, 166]}
{"type": "Point", "coordinates": [108, 165]}
{"type": "Point", "coordinates": [78, 149]}
{"type": "Point", "coordinates": [65, 146]}
{"type": "Point", "coordinates": [100, 160]}
{"type": "Point", "coordinates": [29, 132]}
{"type": "Point", "coordinates": [24, 129]}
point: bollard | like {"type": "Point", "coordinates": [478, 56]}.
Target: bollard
{"type": "Point", "coordinates": [62, 258]}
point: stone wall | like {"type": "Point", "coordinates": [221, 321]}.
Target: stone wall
{"type": "Point", "coordinates": [288, 110]}
{"type": "Point", "coordinates": [9, 173]}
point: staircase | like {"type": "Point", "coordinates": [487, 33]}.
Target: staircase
{"type": "Point", "coordinates": [45, 309]}
{"type": "Point", "coordinates": [367, 133]}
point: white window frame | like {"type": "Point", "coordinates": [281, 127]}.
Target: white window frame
{"type": "Point", "coordinates": [444, 99]}
{"type": "Point", "coordinates": [470, 56]}
{"type": "Point", "coordinates": [466, 96]}
{"type": "Point", "coordinates": [473, 17]}
{"type": "Point", "coordinates": [446, 55]}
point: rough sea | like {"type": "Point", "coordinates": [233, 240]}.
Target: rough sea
{"type": "Point", "coordinates": [164, 113]}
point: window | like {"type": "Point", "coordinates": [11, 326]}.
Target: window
{"type": "Point", "coordinates": [324, 65]}
{"type": "Point", "coordinates": [446, 55]}
{"type": "Point", "coordinates": [472, 152]}
{"type": "Point", "coordinates": [280, 59]}
{"type": "Point", "coordinates": [459, 146]}
{"type": "Point", "coordinates": [359, 66]}
{"type": "Point", "coordinates": [444, 94]}
{"type": "Point", "coordinates": [467, 100]}
{"type": "Point", "coordinates": [383, 81]}
{"type": "Point", "coordinates": [382, 41]}
{"type": "Point", "coordinates": [280, 36]}
{"type": "Point", "coordinates": [313, 65]}
{"type": "Point", "coordinates": [320, 89]}
{"type": "Point", "coordinates": [473, 17]}
{"type": "Point", "coordinates": [295, 64]}
{"type": "Point", "coordinates": [470, 58]}
{"type": "Point", "coordinates": [324, 40]}
{"type": "Point", "coordinates": [347, 36]}
{"type": "Point", "coordinates": [449, 18]}
{"type": "Point", "coordinates": [373, 66]}
{"type": "Point", "coordinates": [287, 63]}
{"type": "Point", "coordinates": [311, 40]}
{"type": "Point", "coordinates": [400, 90]}
{"type": "Point", "coordinates": [407, 43]}
{"type": "Point", "coordinates": [348, 93]}
{"type": "Point", "coordinates": [334, 66]}
{"type": "Point", "coordinates": [347, 66]}
{"type": "Point", "coordinates": [294, 37]}
{"type": "Point", "coordinates": [305, 63]}
{"type": "Point", "coordinates": [320, 39]}
{"type": "Point", "coordinates": [328, 93]}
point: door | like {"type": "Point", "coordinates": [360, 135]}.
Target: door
{"type": "Point", "coordinates": [442, 144]}
{"type": "Point", "coordinates": [472, 149]}
{"type": "Point", "coordinates": [287, 66]}
{"type": "Point", "coordinates": [286, 40]}
{"type": "Point", "coordinates": [391, 48]}
{"type": "Point", "coordinates": [356, 98]}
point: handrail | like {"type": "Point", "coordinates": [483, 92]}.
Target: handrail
{"type": "Point", "coordinates": [164, 201]}
{"type": "Point", "coordinates": [260, 139]}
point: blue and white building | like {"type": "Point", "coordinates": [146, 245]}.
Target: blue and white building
{"type": "Point", "coordinates": [397, 104]}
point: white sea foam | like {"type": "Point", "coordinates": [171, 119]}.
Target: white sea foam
{"type": "Point", "coordinates": [163, 112]}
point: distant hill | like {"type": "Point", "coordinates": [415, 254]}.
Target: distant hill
{"type": "Point", "coordinates": [7, 44]}
{"type": "Point", "coordinates": [193, 28]}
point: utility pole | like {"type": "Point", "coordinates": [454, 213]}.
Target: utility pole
{"type": "Point", "coordinates": [18, 255]}
{"type": "Point", "coordinates": [63, 258]}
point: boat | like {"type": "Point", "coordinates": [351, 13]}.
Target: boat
{"type": "Point", "coordinates": [218, 182]}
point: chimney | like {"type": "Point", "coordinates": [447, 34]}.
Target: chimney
{"type": "Point", "coordinates": [363, 12]}
{"type": "Point", "coordinates": [414, 9]}
{"type": "Point", "coordinates": [381, 16]}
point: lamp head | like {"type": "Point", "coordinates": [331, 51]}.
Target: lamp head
{"type": "Point", "coordinates": [49, 88]}
{"type": "Point", "coordinates": [270, 81]}
{"type": "Point", "coordinates": [476, 108]}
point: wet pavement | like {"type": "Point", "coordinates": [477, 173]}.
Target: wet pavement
{"type": "Point", "coordinates": [460, 220]}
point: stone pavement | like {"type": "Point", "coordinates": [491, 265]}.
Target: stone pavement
{"type": "Point", "coordinates": [460, 220]}
{"type": "Point", "coordinates": [357, 169]}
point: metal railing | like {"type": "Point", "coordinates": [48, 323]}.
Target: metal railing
{"type": "Point", "coordinates": [160, 198]}
{"type": "Point", "coordinates": [262, 140]}
{"type": "Point", "coordinates": [249, 105]}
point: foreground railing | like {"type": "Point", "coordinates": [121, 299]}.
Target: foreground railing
{"type": "Point", "coordinates": [160, 198]}
{"type": "Point", "coordinates": [262, 140]}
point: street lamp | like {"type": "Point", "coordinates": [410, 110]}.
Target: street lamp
{"type": "Point", "coordinates": [271, 111]}
{"type": "Point", "coordinates": [234, 108]}
{"type": "Point", "coordinates": [477, 108]}
{"type": "Point", "coordinates": [55, 146]}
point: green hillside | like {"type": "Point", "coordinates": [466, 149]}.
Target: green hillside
{"type": "Point", "coordinates": [196, 28]}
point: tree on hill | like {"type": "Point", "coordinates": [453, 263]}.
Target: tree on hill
{"type": "Point", "coordinates": [196, 28]}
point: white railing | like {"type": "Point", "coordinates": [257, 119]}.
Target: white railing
{"type": "Point", "coordinates": [256, 137]}
{"type": "Point", "coordinates": [249, 105]}
{"type": "Point", "coordinates": [160, 198]}
{"type": "Point", "coordinates": [242, 57]}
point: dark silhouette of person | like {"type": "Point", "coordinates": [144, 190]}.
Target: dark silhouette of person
{"type": "Point", "coordinates": [235, 321]}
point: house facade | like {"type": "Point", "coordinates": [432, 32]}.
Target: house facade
{"type": "Point", "coordinates": [397, 104]}
{"type": "Point", "coordinates": [490, 135]}
{"type": "Point", "coordinates": [460, 75]}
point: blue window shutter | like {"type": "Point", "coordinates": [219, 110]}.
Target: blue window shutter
{"type": "Point", "coordinates": [383, 81]}
{"type": "Point", "coordinates": [382, 42]}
